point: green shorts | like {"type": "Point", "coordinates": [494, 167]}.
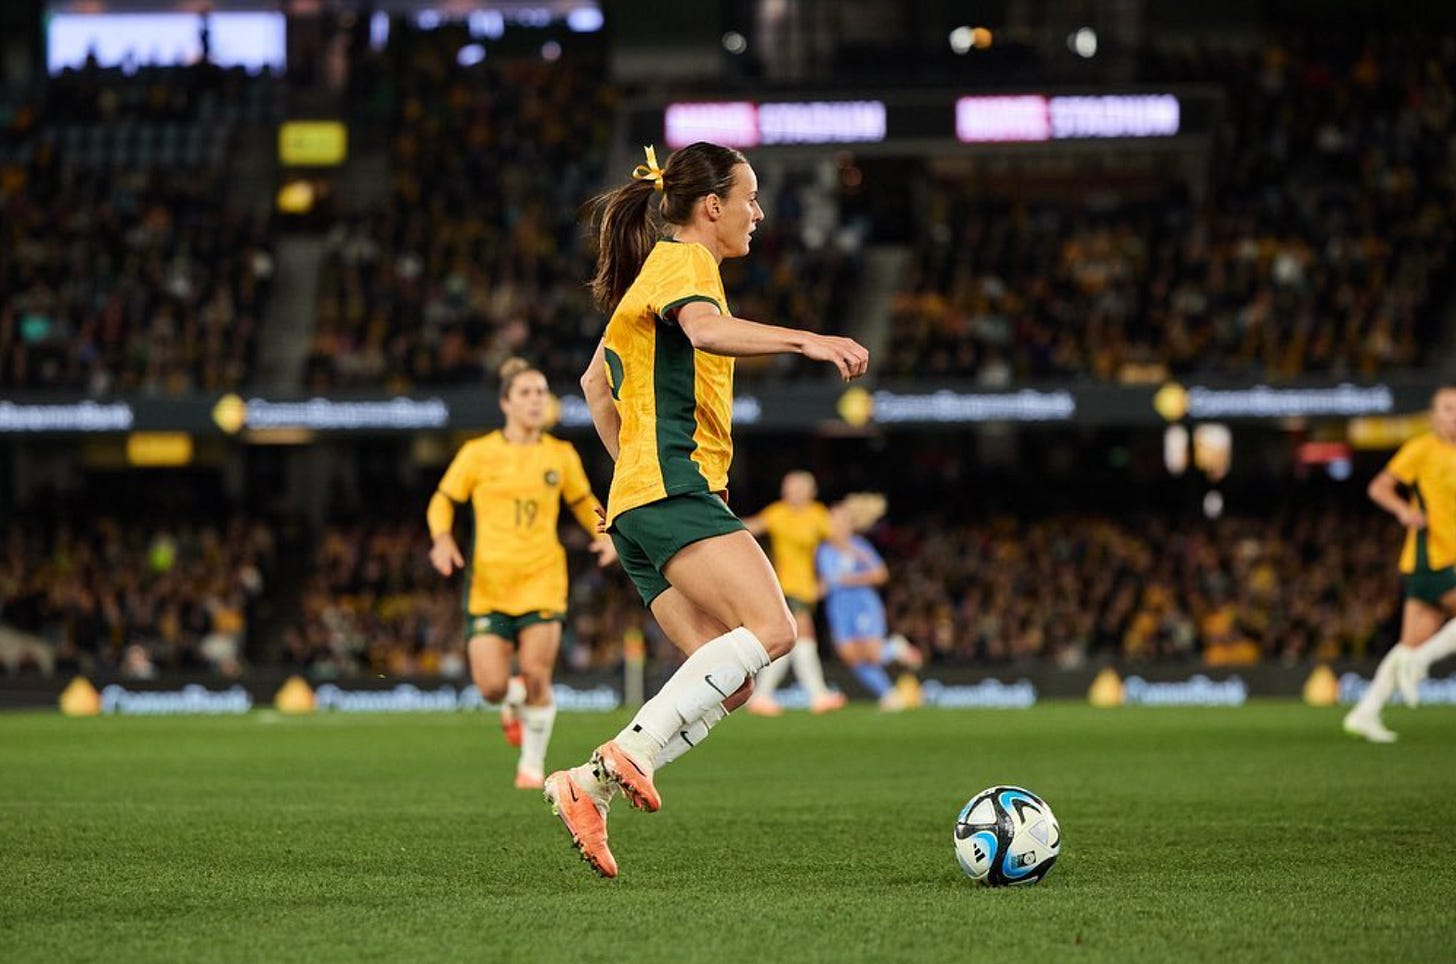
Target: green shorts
{"type": "Point", "coordinates": [798, 605]}
{"type": "Point", "coordinates": [1429, 585]}
{"type": "Point", "coordinates": [505, 626]}
{"type": "Point", "coordinates": [648, 536]}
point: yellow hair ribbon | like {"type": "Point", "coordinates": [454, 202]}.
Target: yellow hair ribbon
{"type": "Point", "coordinates": [649, 171]}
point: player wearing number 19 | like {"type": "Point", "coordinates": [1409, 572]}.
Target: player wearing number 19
{"type": "Point", "coordinates": [515, 585]}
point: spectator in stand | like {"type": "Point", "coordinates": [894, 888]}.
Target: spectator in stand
{"type": "Point", "coordinates": [1072, 588]}
{"type": "Point", "coordinates": [136, 599]}
{"type": "Point", "coordinates": [123, 267]}
{"type": "Point", "coordinates": [1321, 248]}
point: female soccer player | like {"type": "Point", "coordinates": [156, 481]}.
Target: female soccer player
{"type": "Point", "coordinates": [660, 390]}
{"type": "Point", "coordinates": [1426, 466]}
{"type": "Point", "coordinates": [795, 525]}
{"type": "Point", "coordinates": [851, 571]}
{"type": "Point", "coordinates": [515, 479]}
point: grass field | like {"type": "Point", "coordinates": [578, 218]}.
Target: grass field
{"type": "Point", "coordinates": [1222, 834]}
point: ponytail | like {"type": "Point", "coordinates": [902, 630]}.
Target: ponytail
{"type": "Point", "coordinates": [625, 236]}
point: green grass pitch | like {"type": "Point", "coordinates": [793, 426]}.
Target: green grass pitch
{"type": "Point", "coordinates": [1252, 834]}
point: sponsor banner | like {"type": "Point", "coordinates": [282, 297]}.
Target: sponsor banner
{"type": "Point", "coordinates": [942, 687]}
{"type": "Point", "coordinates": [1262, 401]}
{"type": "Point", "coordinates": [1433, 692]}
{"type": "Point", "coordinates": [988, 693]}
{"type": "Point", "coordinates": [1197, 690]}
{"type": "Point", "coordinates": [322, 414]}
{"type": "Point", "coordinates": [928, 120]}
{"type": "Point", "coordinates": [84, 416]}
{"type": "Point", "coordinates": [809, 406]}
{"type": "Point", "coordinates": [747, 124]}
{"type": "Point", "coordinates": [947, 406]}
{"type": "Point", "coordinates": [448, 698]}
{"type": "Point", "coordinates": [292, 696]}
{"type": "Point", "coordinates": [194, 699]}
{"type": "Point", "coordinates": [1033, 118]}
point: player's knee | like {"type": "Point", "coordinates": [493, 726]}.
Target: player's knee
{"type": "Point", "coordinates": [491, 691]}
{"type": "Point", "coordinates": [537, 680]}
{"type": "Point", "coordinates": [777, 633]}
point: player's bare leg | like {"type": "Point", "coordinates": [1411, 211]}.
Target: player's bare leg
{"type": "Point", "coordinates": [809, 669]}
{"type": "Point", "coordinates": [689, 628]}
{"type": "Point", "coordinates": [489, 657]}
{"type": "Point", "coordinates": [730, 579]}
{"type": "Point", "coordinates": [1414, 666]}
{"type": "Point", "coordinates": [1419, 620]}
{"type": "Point", "coordinates": [538, 646]}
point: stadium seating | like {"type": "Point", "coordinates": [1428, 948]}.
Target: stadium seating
{"type": "Point", "coordinates": [124, 264]}
{"type": "Point", "coordinates": [1320, 248]}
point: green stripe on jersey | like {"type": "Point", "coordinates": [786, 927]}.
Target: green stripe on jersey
{"type": "Point", "coordinates": [674, 385]}
{"type": "Point", "coordinates": [614, 370]}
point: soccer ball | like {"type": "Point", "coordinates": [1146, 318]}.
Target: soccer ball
{"type": "Point", "coordinates": [1007, 835]}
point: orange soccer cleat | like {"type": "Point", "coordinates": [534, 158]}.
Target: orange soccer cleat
{"type": "Point", "coordinates": [764, 706]}
{"type": "Point", "coordinates": [634, 779]}
{"type": "Point", "coordinates": [510, 724]}
{"type": "Point", "coordinates": [526, 780]}
{"type": "Point", "coordinates": [583, 819]}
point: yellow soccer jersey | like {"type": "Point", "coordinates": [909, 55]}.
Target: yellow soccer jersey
{"type": "Point", "coordinates": [517, 563]}
{"type": "Point", "coordinates": [1428, 466]}
{"type": "Point", "coordinates": [794, 534]}
{"type": "Point", "coordinates": [676, 403]}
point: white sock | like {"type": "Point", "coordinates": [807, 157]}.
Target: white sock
{"type": "Point", "coordinates": [536, 724]}
{"type": "Point", "coordinates": [769, 678]}
{"type": "Point", "coordinates": [689, 736]}
{"type": "Point", "coordinates": [515, 692]}
{"type": "Point", "coordinates": [708, 677]}
{"type": "Point", "coordinates": [1381, 687]}
{"type": "Point", "coordinates": [807, 667]}
{"type": "Point", "coordinates": [1441, 644]}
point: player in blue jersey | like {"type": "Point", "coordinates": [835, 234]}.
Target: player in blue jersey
{"type": "Point", "coordinates": [850, 570]}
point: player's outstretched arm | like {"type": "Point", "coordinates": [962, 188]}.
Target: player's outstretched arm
{"type": "Point", "coordinates": [720, 334]}
{"type": "Point", "coordinates": [598, 394]}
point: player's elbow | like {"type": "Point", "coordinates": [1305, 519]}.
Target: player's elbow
{"type": "Point", "coordinates": [593, 382]}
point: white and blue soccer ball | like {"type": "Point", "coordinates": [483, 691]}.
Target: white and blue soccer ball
{"type": "Point", "coordinates": [1006, 836]}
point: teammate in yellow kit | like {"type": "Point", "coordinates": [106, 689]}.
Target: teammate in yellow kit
{"type": "Point", "coordinates": [795, 525]}
{"type": "Point", "coordinates": [515, 480]}
{"type": "Point", "coordinates": [1426, 467]}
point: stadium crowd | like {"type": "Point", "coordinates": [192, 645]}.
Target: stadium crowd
{"type": "Point", "coordinates": [1144, 588]}
{"type": "Point", "coordinates": [1066, 590]}
{"type": "Point", "coordinates": [372, 603]}
{"type": "Point", "coordinates": [1321, 246]}
{"type": "Point", "coordinates": [124, 266]}
{"type": "Point", "coordinates": [133, 598]}
{"type": "Point", "coordinates": [479, 252]}
{"type": "Point", "coordinates": [476, 253]}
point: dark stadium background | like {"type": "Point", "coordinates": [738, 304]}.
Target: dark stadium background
{"type": "Point", "coordinates": [1264, 293]}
